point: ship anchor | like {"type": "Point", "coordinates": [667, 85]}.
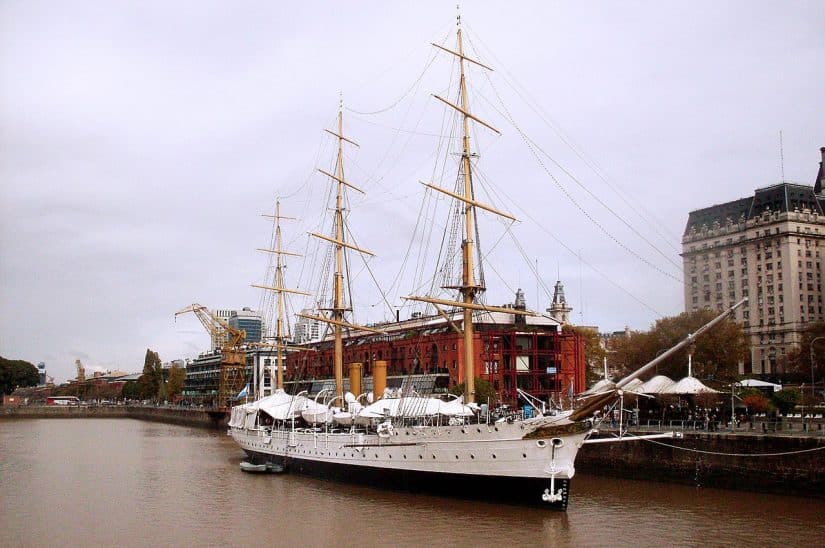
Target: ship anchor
{"type": "Point", "coordinates": [551, 495]}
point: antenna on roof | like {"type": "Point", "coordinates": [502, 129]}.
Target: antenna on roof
{"type": "Point", "coordinates": [781, 157]}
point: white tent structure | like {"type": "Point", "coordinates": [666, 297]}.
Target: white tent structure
{"type": "Point", "coordinates": [635, 386]}
{"type": "Point", "coordinates": [657, 384]}
{"type": "Point", "coordinates": [688, 386]}
{"type": "Point", "coordinates": [603, 385]}
{"type": "Point", "coordinates": [754, 383]}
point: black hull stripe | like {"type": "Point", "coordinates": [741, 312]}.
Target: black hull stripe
{"type": "Point", "coordinates": [525, 491]}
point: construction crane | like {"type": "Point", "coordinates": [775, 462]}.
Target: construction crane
{"type": "Point", "coordinates": [228, 341]}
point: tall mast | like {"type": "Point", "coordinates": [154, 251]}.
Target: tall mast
{"type": "Point", "coordinates": [469, 287]}
{"type": "Point", "coordinates": [339, 307]}
{"type": "Point", "coordinates": [338, 283]}
{"type": "Point", "coordinates": [279, 289]}
{"type": "Point", "coordinates": [279, 321]}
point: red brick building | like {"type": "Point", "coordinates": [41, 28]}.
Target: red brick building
{"type": "Point", "coordinates": [531, 353]}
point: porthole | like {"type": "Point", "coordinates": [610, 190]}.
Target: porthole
{"type": "Point", "coordinates": [478, 430]}
{"type": "Point", "coordinates": [405, 456]}
{"type": "Point", "coordinates": [472, 456]}
{"type": "Point", "coordinates": [433, 455]}
{"type": "Point", "coordinates": [541, 443]}
{"type": "Point", "coordinates": [524, 455]}
{"type": "Point", "coordinates": [496, 428]}
{"type": "Point", "coordinates": [456, 457]}
{"type": "Point", "coordinates": [420, 456]}
{"type": "Point", "coordinates": [390, 456]}
{"type": "Point", "coordinates": [494, 455]}
{"type": "Point", "coordinates": [376, 455]}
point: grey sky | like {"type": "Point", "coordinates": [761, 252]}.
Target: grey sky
{"type": "Point", "coordinates": [140, 142]}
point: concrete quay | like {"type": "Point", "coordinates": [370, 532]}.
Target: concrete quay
{"type": "Point", "coordinates": [786, 462]}
{"type": "Point", "coordinates": [184, 416]}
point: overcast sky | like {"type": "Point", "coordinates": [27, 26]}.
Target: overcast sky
{"type": "Point", "coordinates": [141, 141]}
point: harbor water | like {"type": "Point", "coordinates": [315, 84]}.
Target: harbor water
{"type": "Point", "coordinates": [124, 482]}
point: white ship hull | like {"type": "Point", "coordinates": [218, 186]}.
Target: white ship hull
{"type": "Point", "coordinates": [494, 460]}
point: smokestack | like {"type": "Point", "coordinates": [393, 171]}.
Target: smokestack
{"type": "Point", "coordinates": [355, 378]}
{"type": "Point", "coordinates": [379, 379]}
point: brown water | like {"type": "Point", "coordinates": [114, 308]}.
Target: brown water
{"type": "Point", "coordinates": [122, 482]}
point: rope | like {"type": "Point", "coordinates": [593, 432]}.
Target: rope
{"type": "Point", "coordinates": [535, 150]}
{"type": "Point", "coordinates": [717, 453]}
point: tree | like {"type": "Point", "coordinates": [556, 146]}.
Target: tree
{"type": "Point", "coordinates": [716, 354]}
{"type": "Point", "coordinates": [484, 391]}
{"type": "Point", "coordinates": [756, 402]}
{"type": "Point", "coordinates": [131, 390]}
{"type": "Point", "coordinates": [785, 400]}
{"type": "Point", "coordinates": [151, 380]}
{"type": "Point", "coordinates": [174, 385]}
{"type": "Point", "coordinates": [17, 374]}
{"type": "Point", "coordinates": [594, 353]}
{"type": "Point", "coordinates": [797, 366]}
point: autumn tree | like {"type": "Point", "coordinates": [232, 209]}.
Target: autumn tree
{"type": "Point", "coordinates": [716, 354]}
{"type": "Point", "coordinates": [174, 383]}
{"type": "Point", "coordinates": [594, 353]}
{"type": "Point", "coordinates": [798, 367]}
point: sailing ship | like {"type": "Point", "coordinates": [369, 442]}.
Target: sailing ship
{"type": "Point", "coordinates": [407, 440]}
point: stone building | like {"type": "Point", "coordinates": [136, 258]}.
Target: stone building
{"type": "Point", "coordinates": [768, 247]}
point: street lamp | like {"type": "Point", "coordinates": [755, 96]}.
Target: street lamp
{"type": "Point", "coordinates": [812, 366]}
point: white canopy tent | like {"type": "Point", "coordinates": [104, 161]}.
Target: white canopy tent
{"type": "Point", "coordinates": [754, 383]}
{"type": "Point", "coordinates": [657, 385]}
{"type": "Point", "coordinates": [688, 386]}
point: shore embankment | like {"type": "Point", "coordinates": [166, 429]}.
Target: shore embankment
{"type": "Point", "coordinates": [782, 463]}
{"type": "Point", "coordinates": [198, 418]}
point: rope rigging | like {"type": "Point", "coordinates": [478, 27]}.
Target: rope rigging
{"type": "Point", "coordinates": [543, 116]}
{"type": "Point", "coordinates": [531, 145]}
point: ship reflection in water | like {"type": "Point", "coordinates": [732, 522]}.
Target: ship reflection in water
{"type": "Point", "coordinates": [105, 482]}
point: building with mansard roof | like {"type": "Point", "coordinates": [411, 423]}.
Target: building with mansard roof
{"type": "Point", "coordinates": [769, 248]}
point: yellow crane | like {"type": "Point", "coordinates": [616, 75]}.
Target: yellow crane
{"type": "Point", "coordinates": [228, 341]}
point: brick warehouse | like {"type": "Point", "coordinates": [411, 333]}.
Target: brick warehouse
{"type": "Point", "coordinates": [530, 353]}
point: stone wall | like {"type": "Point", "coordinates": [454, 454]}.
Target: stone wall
{"type": "Point", "coordinates": [726, 461]}
{"type": "Point", "coordinates": [174, 415]}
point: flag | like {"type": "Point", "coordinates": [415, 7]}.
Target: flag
{"type": "Point", "coordinates": [244, 392]}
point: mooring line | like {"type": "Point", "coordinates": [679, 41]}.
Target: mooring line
{"type": "Point", "coordinates": [730, 454]}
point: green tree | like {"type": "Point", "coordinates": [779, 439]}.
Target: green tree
{"type": "Point", "coordinates": [484, 391]}
{"type": "Point", "coordinates": [17, 374]}
{"type": "Point", "coordinates": [131, 390]}
{"type": "Point", "coordinates": [151, 380]}
{"type": "Point", "coordinates": [785, 400]}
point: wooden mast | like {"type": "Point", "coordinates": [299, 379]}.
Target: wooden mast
{"type": "Point", "coordinates": [339, 308]}
{"type": "Point", "coordinates": [279, 282]}
{"type": "Point", "coordinates": [279, 289]}
{"type": "Point", "coordinates": [338, 282]}
{"type": "Point", "coordinates": [469, 287]}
